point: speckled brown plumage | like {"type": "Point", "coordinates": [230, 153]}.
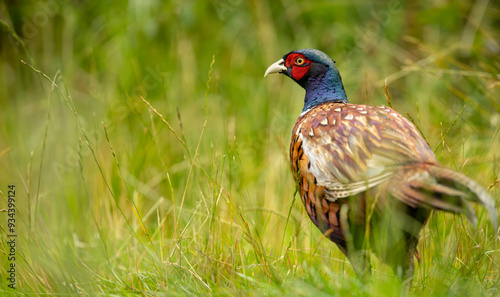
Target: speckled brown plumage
{"type": "Point", "coordinates": [344, 140]}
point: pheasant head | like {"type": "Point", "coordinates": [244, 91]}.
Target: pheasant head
{"type": "Point", "coordinates": [315, 72]}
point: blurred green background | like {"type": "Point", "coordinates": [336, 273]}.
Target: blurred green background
{"type": "Point", "coordinates": [113, 199]}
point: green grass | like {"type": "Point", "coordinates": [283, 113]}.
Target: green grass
{"type": "Point", "coordinates": [189, 191]}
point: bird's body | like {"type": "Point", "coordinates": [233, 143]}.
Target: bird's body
{"type": "Point", "coordinates": [367, 178]}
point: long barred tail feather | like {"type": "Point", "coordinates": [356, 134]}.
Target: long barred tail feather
{"type": "Point", "coordinates": [476, 192]}
{"type": "Point", "coordinates": [444, 189]}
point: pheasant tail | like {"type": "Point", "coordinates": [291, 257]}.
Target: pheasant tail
{"type": "Point", "coordinates": [440, 188]}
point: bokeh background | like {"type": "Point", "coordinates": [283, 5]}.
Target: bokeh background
{"type": "Point", "coordinates": [190, 193]}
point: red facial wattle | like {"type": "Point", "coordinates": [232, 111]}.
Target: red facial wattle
{"type": "Point", "coordinates": [298, 71]}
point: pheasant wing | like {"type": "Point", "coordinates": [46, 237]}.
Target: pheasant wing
{"type": "Point", "coordinates": [352, 148]}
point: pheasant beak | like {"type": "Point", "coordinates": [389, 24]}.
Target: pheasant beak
{"type": "Point", "coordinates": [278, 67]}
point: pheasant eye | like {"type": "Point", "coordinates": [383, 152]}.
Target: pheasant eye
{"type": "Point", "coordinates": [299, 61]}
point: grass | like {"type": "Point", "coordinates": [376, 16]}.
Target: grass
{"type": "Point", "coordinates": [150, 156]}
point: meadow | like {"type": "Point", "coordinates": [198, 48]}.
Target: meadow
{"type": "Point", "coordinates": [149, 156]}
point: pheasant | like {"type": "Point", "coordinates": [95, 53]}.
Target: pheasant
{"type": "Point", "coordinates": [366, 177]}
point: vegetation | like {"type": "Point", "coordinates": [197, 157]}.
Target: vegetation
{"type": "Point", "coordinates": [150, 156]}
